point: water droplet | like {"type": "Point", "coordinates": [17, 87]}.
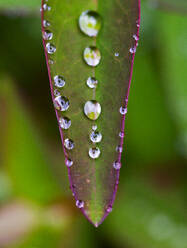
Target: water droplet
{"type": "Point", "coordinates": [94, 127]}
{"type": "Point", "coordinates": [92, 82]}
{"type": "Point", "coordinates": [123, 110]}
{"type": "Point", "coordinates": [61, 103]}
{"type": "Point", "coordinates": [56, 92]}
{"type": "Point", "coordinates": [94, 152]}
{"type": "Point", "coordinates": [92, 109]}
{"type": "Point", "coordinates": [51, 62]}
{"type": "Point", "coordinates": [50, 48]}
{"type": "Point", "coordinates": [47, 35]}
{"type": "Point", "coordinates": [69, 162]}
{"type": "Point", "coordinates": [59, 81]}
{"type": "Point", "coordinates": [119, 149]}
{"type": "Point", "coordinates": [92, 55]}
{"type": "Point", "coordinates": [96, 137]}
{"type": "Point", "coordinates": [121, 134]}
{"type": "Point", "coordinates": [46, 23]}
{"type": "Point", "coordinates": [64, 122]}
{"type": "Point", "coordinates": [132, 50]}
{"type": "Point", "coordinates": [117, 165]}
{"type": "Point", "coordinates": [135, 37]}
{"type": "Point", "coordinates": [69, 144]}
{"type": "Point", "coordinates": [109, 209]}
{"type": "Point", "coordinates": [116, 54]}
{"type": "Point", "coordinates": [79, 204]}
{"type": "Point", "coordinates": [46, 7]}
{"type": "Point", "coordinates": [90, 23]}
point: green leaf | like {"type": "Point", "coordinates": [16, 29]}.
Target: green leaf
{"type": "Point", "coordinates": [12, 4]}
{"type": "Point", "coordinates": [93, 181]}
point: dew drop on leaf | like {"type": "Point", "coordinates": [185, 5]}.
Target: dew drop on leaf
{"type": "Point", "coordinates": [69, 144]}
{"type": "Point", "coordinates": [79, 204]}
{"type": "Point", "coordinates": [121, 134]}
{"type": "Point", "coordinates": [64, 122]}
{"type": "Point", "coordinates": [132, 49]}
{"type": "Point", "coordinates": [46, 7]}
{"type": "Point", "coordinates": [92, 109]}
{"type": "Point", "coordinates": [47, 35]}
{"type": "Point", "coordinates": [117, 165]}
{"type": "Point", "coordinates": [69, 162]}
{"type": "Point", "coordinates": [61, 103]}
{"type": "Point", "coordinates": [59, 81]}
{"type": "Point", "coordinates": [109, 209]}
{"type": "Point", "coordinates": [119, 149]}
{"type": "Point", "coordinates": [56, 92]}
{"type": "Point", "coordinates": [50, 48]}
{"type": "Point", "coordinates": [92, 56]}
{"type": "Point", "coordinates": [92, 82]}
{"type": "Point", "coordinates": [95, 137]}
{"type": "Point", "coordinates": [46, 23]}
{"type": "Point", "coordinates": [94, 127]}
{"type": "Point", "coordinates": [90, 23]}
{"type": "Point", "coordinates": [94, 152]}
{"type": "Point", "coordinates": [123, 110]}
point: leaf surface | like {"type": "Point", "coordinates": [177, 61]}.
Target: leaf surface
{"type": "Point", "coordinates": [93, 181]}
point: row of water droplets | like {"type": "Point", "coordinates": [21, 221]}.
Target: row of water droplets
{"type": "Point", "coordinates": [61, 103]}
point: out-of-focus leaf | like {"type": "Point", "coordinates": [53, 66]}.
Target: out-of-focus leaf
{"type": "Point", "coordinates": [93, 181]}
{"type": "Point", "coordinates": [23, 156]}
{"type": "Point", "coordinates": [12, 4]}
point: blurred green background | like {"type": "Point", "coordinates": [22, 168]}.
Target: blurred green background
{"type": "Point", "coordinates": [36, 206]}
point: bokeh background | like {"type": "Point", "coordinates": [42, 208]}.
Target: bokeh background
{"type": "Point", "coordinates": [37, 209]}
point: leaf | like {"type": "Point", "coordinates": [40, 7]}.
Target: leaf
{"type": "Point", "coordinates": [93, 181]}
{"type": "Point", "coordinates": [12, 4]}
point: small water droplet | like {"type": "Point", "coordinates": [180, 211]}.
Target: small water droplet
{"type": "Point", "coordinates": [79, 204]}
{"type": "Point", "coordinates": [47, 35]}
{"type": "Point", "coordinates": [69, 162]}
{"type": "Point", "coordinates": [119, 149]}
{"type": "Point", "coordinates": [56, 92]}
{"type": "Point", "coordinates": [92, 55]}
{"type": "Point", "coordinates": [50, 48]}
{"type": "Point", "coordinates": [116, 54]}
{"type": "Point", "coordinates": [69, 144]}
{"type": "Point", "coordinates": [59, 81]}
{"type": "Point", "coordinates": [132, 50]}
{"type": "Point", "coordinates": [46, 23]}
{"type": "Point", "coordinates": [121, 134]}
{"type": "Point", "coordinates": [94, 152]}
{"type": "Point", "coordinates": [92, 82]}
{"type": "Point", "coordinates": [51, 62]}
{"type": "Point", "coordinates": [109, 209]}
{"type": "Point", "coordinates": [123, 110]}
{"type": "Point", "coordinates": [92, 109]}
{"type": "Point", "coordinates": [90, 23]}
{"type": "Point", "coordinates": [135, 37]}
{"type": "Point", "coordinates": [46, 7]}
{"type": "Point", "coordinates": [117, 165]}
{"type": "Point", "coordinates": [94, 127]}
{"type": "Point", "coordinates": [64, 122]}
{"type": "Point", "coordinates": [95, 137]}
{"type": "Point", "coordinates": [61, 103]}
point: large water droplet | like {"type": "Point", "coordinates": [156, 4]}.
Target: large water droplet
{"type": "Point", "coordinates": [59, 81]}
{"type": "Point", "coordinates": [79, 204]}
{"type": "Point", "coordinates": [117, 165]}
{"type": "Point", "coordinates": [61, 103]}
{"type": "Point", "coordinates": [69, 144]}
{"type": "Point", "coordinates": [69, 162]}
{"type": "Point", "coordinates": [46, 23]}
{"type": "Point", "coordinates": [123, 110]}
{"type": "Point", "coordinates": [64, 122]}
{"type": "Point", "coordinates": [47, 35]}
{"type": "Point", "coordinates": [92, 82]}
{"type": "Point", "coordinates": [94, 152]}
{"type": "Point", "coordinates": [90, 23]}
{"type": "Point", "coordinates": [92, 109]}
{"type": "Point", "coordinates": [50, 48]}
{"type": "Point", "coordinates": [96, 137]}
{"type": "Point", "coordinates": [92, 55]}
